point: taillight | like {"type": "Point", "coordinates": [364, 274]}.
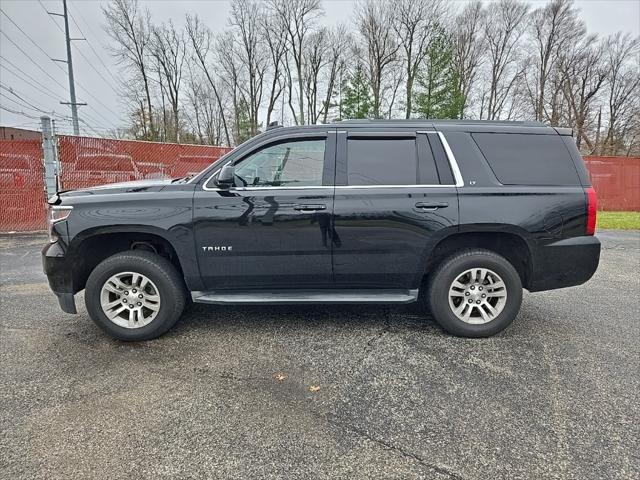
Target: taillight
{"type": "Point", "coordinates": [592, 204]}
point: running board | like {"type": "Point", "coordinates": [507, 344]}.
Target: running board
{"type": "Point", "coordinates": [296, 297]}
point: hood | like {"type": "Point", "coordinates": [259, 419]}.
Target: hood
{"type": "Point", "coordinates": [152, 185]}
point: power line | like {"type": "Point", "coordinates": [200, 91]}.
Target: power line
{"type": "Point", "coordinates": [49, 75]}
{"type": "Point", "coordinates": [28, 80]}
{"type": "Point", "coordinates": [2, 107]}
{"type": "Point", "coordinates": [21, 104]}
{"type": "Point", "coordinates": [107, 69]}
{"type": "Point", "coordinates": [32, 106]}
{"type": "Point", "coordinates": [32, 60]}
{"type": "Point", "coordinates": [29, 106]}
{"type": "Point", "coordinates": [29, 102]}
{"type": "Point", "coordinates": [25, 103]}
{"type": "Point", "coordinates": [86, 114]}
{"type": "Point", "coordinates": [27, 35]}
{"type": "Point", "coordinates": [80, 51]}
{"type": "Point", "coordinates": [88, 92]}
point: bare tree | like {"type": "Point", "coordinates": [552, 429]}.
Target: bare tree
{"type": "Point", "coordinates": [324, 62]}
{"type": "Point", "coordinates": [315, 55]}
{"type": "Point", "coordinates": [469, 46]}
{"type": "Point", "coordinates": [338, 44]}
{"type": "Point", "coordinates": [203, 113]}
{"type": "Point", "coordinates": [250, 51]}
{"type": "Point", "coordinates": [374, 21]}
{"type": "Point", "coordinates": [416, 23]}
{"type": "Point", "coordinates": [297, 18]}
{"type": "Point", "coordinates": [553, 27]}
{"type": "Point", "coordinates": [128, 26]}
{"type": "Point", "coordinates": [169, 53]}
{"type": "Point", "coordinates": [621, 62]}
{"type": "Point", "coordinates": [583, 75]}
{"type": "Point", "coordinates": [233, 76]}
{"type": "Point", "coordinates": [271, 29]}
{"type": "Point", "coordinates": [201, 40]}
{"type": "Point", "coordinates": [504, 26]}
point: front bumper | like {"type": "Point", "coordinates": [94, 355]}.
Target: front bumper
{"type": "Point", "coordinates": [59, 274]}
{"type": "Point", "coordinates": [564, 263]}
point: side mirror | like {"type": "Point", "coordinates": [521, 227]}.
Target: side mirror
{"type": "Point", "coordinates": [226, 177]}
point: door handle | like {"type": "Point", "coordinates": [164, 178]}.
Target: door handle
{"type": "Point", "coordinates": [431, 205]}
{"type": "Point", "coordinates": [309, 208]}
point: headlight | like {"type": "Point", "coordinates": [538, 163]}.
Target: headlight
{"type": "Point", "coordinates": [57, 213]}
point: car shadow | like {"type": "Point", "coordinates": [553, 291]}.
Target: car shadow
{"type": "Point", "coordinates": [366, 316]}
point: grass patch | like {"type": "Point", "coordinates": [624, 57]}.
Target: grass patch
{"type": "Point", "coordinates": [619, 220]}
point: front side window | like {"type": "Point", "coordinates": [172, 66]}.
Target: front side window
{"type": "Point", "coordinates": [381, 161]}
{"type": "Point", "coordinates": [297, 164]}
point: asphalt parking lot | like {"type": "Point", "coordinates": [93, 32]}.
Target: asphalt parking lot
{"type": "Point", "coordinates": [323, 392]}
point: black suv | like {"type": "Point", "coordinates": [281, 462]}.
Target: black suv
{"type": "Point", "coordinates": [460, 214]}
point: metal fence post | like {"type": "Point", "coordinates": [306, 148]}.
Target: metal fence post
{"type": "Point", "coordinates": [49, 151]}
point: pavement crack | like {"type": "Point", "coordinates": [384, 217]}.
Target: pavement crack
{"type": "Point", "coordinates": [388, 446]}
{"type": "Point", "coordinates": [371, 343]}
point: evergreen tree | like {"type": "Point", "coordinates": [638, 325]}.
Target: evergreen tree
{"type": "Point", "coordinates": [357, 99]}
{"type": "Point", "coordinates": [438, 94]}
{"type": "Point", "coordinates": [242, 122]}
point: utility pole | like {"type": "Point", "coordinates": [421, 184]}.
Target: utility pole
{"type": "Point", "coordinates": [72, 86]}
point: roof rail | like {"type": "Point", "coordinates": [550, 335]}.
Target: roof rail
{"type": "Point", "coordinates": [447, 121]}
{"type": "Point", "coordinates": [273, 125]}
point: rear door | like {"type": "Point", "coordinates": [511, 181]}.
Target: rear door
{"type": "Point", "coordinates": [272, 229]}
{"type": "Point", "coordinates": [395, 198]}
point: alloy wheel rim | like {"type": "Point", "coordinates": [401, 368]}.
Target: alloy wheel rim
{"type": "Point", "coordinates": [130, 300]}
{"type": "Point", "coordinates": [477, 296]}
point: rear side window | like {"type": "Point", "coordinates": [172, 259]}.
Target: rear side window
{"type": "Point", "coordinates": [381, 161]}
{"type": "Point", "coordinates": [526, 159]}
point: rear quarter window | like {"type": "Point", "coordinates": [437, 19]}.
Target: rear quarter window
{"type": "Point", "coordinates": [527, 159]}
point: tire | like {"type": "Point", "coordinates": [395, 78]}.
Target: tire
{"type": "Point", "coordinates": [162, 295]}
{"type": "Point", "coordinates": [489, 314]}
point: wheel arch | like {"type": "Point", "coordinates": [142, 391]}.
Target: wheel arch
{"type": "Point", "coordinates": [92, 246]}
{"type": "Point", "coordinates": [505, 240]}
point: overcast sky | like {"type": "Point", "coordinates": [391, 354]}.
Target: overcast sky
{"type": "Point", "coordinates": [42, 84]}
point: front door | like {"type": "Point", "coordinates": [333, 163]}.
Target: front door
{"type": "Point", "coordinates": [273, 228]}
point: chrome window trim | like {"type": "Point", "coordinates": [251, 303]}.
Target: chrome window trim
{"type": "Point", "coordinates": [324, 187]}
{"type": "Point", "coordinates": [457, 175]}
{"type": "Point", "coordinates": [393, 186]}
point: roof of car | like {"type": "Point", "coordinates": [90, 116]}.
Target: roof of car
{"type": "Point", "coordinates": [473, 126]}
{"type": "Point", "coordinates": [428, 121]}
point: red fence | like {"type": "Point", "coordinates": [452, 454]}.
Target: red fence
{"type": "Point", "coordinates": [22, 195]}
{"type": "Point", "coordinates": [86, 162]}
{"type": "Point", "coordinates": [616, 181]}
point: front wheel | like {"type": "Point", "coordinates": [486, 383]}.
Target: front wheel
{"type": "Point", "coordinates": [135, 295]}
{"type": "Point", "coordinates": [475, 293]}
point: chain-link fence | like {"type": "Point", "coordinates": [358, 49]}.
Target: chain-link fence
{"type": "Point", "coordinates": [22, 193]}
{"type": "Point", "coordinates": [616, 180]}
{"type": "Point", "coordinates": [84, 162]}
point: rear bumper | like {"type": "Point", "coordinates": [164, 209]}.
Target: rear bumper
{"type": "Point", "coordinates": [564, 263]}
{"type": "Point", "coordinates": [59, 274]}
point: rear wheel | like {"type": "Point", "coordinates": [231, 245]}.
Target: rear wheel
{"type": "Point", "coordinates": [135, 295]}
{"type": "Point", "coordinates": [475, 293]}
